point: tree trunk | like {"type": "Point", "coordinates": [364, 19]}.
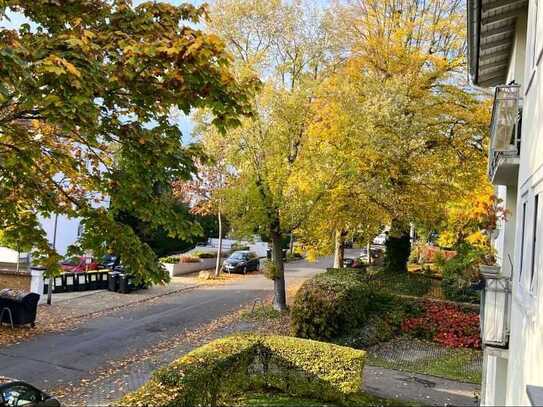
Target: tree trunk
{"type": "Point", "coordinates": [219, 250]}
{"type": "Point", "coordinates": [280, 297]}
{"type": "Point", "coordinates": [412, 233]}
{"type": "Point", "coordinates": [339, 249]}
{"type": "Point", "coordinates": [18, 259]}
{"type": "Point", "coordinates": [291, 244]}
{"type": "Point", "coordinates": [398, 248]}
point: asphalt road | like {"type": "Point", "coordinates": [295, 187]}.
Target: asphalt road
{"type": "Point", "coordinates": [48, 360]}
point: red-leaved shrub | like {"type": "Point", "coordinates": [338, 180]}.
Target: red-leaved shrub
{"type": "Point", "coordinates": [446, 324]}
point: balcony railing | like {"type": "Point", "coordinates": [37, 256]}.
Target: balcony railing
{"type": "Point", "coordinates": [504, 151]}
{"type": "Point", "coordinates": [495, 312]}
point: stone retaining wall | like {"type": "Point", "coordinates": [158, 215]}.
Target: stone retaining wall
{"type": "Point", "coordinates": [18, 280]}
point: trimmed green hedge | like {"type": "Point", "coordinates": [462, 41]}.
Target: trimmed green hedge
{"type": "Point", "coordinates": [401, 283]}
{"type": "Point", "coordinates": [212, 374]}
{"type": "Point", "coordinates": [170, 259]}
{"type": "Point", "coordinates": [204, 255]}
{"type": "Point", "coordinates": [331, 304]}
{"type": "Point", "coordinates": [339, 302]}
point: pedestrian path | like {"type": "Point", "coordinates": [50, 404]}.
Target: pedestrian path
{"type": "Point", "coordinates": [418, 388]}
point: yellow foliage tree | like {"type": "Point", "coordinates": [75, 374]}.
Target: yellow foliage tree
{"type": "Point", "coordinates": [416, 131]}
{"type": "Point", "coordinates": [472, 218]}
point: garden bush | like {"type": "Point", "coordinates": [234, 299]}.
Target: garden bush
{"type": "Point", "coordinates": [358, 309]}
{"type": "Point", "coordinates": [214, 373]}
{"type": "Point", "coordinates": [339, 302]}
{"type": "Point", "coordinates": [270, 270]}
{"type": "Point", "coordinates": [330, 304]}
{"type": "Point", "coordinates": [294, 256]}
{"type": "Point", "coordinates": [239, 246]}
{"type": "Point", "coordinates": [204, 255]}
{"type": "Point", "coordinates": [447, 324]}
{"type": "Point", "coordinates": [386, 315]}
{"type": "Point", "coordinates": [401, 283]}
{"type": "Point", "coordinates": [170, 259]}
{"type": "Point", "coordinates": [189, 258]}
{"type": "Point", "coordinates": [459, 272]}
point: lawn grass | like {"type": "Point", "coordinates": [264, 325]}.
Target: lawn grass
{"type": "Point", "coordinates": [411, 284]}
{"type": "Point", "coordinates": [272, 399]}
{"type": "Point", "coordinates": [261, 313]}
{"type": "Point", "coordinates": [450, 363]}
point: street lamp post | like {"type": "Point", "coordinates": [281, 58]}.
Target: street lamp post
{"type": "Point", "coordinates": [51, 279]}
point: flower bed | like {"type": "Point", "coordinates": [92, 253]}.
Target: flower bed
{"type": "Point", "coordinates": [446, 324]}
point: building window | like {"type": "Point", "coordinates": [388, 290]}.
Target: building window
{"type": "Point", "coordinates": [534, 240]}
{"type": "Point", "coordinates": [522, 240]}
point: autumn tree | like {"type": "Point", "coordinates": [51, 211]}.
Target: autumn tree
{"type": "Point", "coordinates": [415, 124]}
{"type": "Point", "coordinates": [87, 93]}
{"type": "Point", "coordinates": [287, 45]}
{"type": "Point", "coordinates": [343, 213]}
{"type": "Point", "coordinates": [203, 194]}
{"type": "Point", "coordinates": [472, 218]}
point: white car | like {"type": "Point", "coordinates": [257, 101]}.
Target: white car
{"type": "Point", "coordinates": [380, 239]}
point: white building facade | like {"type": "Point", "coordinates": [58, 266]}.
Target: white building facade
{"type": "Point", "coordinates": [506, 52]}
{"type": "Point", "coordinates": [68, 231]}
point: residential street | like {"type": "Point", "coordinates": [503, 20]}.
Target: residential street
{"type": "Point", "coordinates": [52, 359]}
{"type": "Point", "coordinates": [105, 356]}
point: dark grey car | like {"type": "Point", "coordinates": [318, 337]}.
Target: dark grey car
{"type": "Point", "coordinates": [15, 393]}
{"type": "Point", "coordinates": [241, 261]}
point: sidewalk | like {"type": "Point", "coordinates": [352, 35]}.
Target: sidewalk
{"type": "Point", "coordinates": [83, 303]}
{"type": "Point", "coordinates": [412, 387]}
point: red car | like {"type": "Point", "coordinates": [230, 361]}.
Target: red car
{"type": "Point", "coordinates": [78, 265]}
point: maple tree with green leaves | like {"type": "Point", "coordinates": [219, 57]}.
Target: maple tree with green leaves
{"type": "Point", "coordinates": [89, 91]}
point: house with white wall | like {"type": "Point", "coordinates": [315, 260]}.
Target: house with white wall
{"type": "Point", "coordinates": [67, 233]}
{"type": "Point", "coordinates": [505, 47]}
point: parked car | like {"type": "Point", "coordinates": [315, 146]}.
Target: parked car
{"type": "Point", "coordinates": [79, 264]}
{"type": "Point", "coordinates": [352, 263]}
{"type": "Point", "coordinates": [375, 253]}
{"type": "Point", "coordinates": [110, 261]}
{"type": "Point", "coordinates": [381, 239]}
{"type": "Point", "coordinates": [17, 393]}
{"type": "Point", "coordinates": [241, 261]}
{"type": "Point", "coordinates": [348, 262]}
